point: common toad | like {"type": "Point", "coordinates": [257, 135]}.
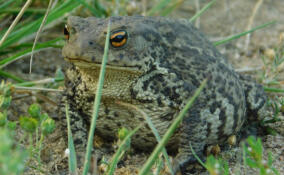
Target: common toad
{"type": "Point", "coordinates": [156, 64]}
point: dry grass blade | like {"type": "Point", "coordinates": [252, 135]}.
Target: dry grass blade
{"type": "Point", "coordinates": [27, 4]}
{"type": "Point", "coordinates": [38, 89]}
{"type": "Point", "coordinates": [254, 12]}
{"type": "Point", "coordinates": [38, 32]}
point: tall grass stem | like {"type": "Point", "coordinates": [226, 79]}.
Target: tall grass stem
{"type": "Point", "coordinates": [96, 104]}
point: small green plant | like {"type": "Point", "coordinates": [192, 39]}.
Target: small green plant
{"type": "Point", "coordinates": [34, 123]}
{"type": "Point", "coordinates": [253, 157]}
{"type": "Point", "coordinates": [5, 96]}
{"type": "Point", "coordinates": [216, 166]}
{"type": "Point", "coordinates": [124, 145]}
{"type": "Point", "coordinates": [121, 135]}
{"type": "Point", "coordinates": [12, 156]}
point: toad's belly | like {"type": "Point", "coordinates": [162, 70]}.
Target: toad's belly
{"type": "Point", "coordinates": [113, 117]}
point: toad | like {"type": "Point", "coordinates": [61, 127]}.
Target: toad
{"type": "Point", "coordinates": [156, 64]}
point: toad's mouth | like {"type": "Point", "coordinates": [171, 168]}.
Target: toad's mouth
{"type": "Point", "coordinates": [82, 63]}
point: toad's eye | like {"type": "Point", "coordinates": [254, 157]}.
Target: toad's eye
{"type": "Point", "coordinates": [66, 32]}
{"type": "Point", "coordinates": [118, 38]}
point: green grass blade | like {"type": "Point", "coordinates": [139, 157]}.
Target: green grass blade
{"type": "Point", "coordinates": [158, 7]}
{"type": "Point", "coordinates": [168, 10]}
{"type": "Point", "coordinates": [268, 89]}
{"type": "Point", "coordinates": [197, 158]}
{"type": "Point", "coordinates": [52, 43]}
{"type": "Point", "coordinates": [27, 45]}
{"type": "Point", "coordinates": [154, 130]}
{"type": "Point", "coordinates": [72, 161]}
{"type": "Point", "coordinates": [116, 156]}
{"type": "Point", "coordinates": [8, 75]}
{"type": "Point", "coordinates": [29, 10]}
{"type": "Point", "coordinates": [96, 104]}
{"type": "Point", "coordinates": [99, 6]}
{"type": "Point", "coordinates": [146, 167]}
{"type": "Point", "coordinates": [32, 27]}
{"type": "Point", "coordinates": [38, 82]}
{"type": "Point", "coordinates": [158, 138]}
{"type": "Point", "coordinates": [243, 33]}
{"type": "Point", "coordinates": [159, 167]}
{"type": "Point", "coordinates": [6, 4]}
{"type": "Point", "coordinates": [199, 13]}
{"type": "Point", "coordinates": [94, 11]}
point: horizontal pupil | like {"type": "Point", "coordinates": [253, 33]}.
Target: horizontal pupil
{"type": "Point", "coordinates": [118, 38]}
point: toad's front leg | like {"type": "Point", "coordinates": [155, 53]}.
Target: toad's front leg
{"type": "Point", "coordinates": [78, 128]}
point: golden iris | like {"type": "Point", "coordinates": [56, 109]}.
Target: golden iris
{"type": "Point", "coordinates": [118, 38]}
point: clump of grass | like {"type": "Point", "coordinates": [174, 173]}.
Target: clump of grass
{"type": "Point", "coordinates": [270, 77]}
{"type": "Point", "coordinates": [273, 61]}
{"type": "Point", "coordinates": [277, 104]}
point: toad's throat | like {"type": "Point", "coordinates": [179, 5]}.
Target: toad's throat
{"type": "Point", "coordinates": [118, 81]}
{"type": "Point", "coordinates": [85, 64]}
